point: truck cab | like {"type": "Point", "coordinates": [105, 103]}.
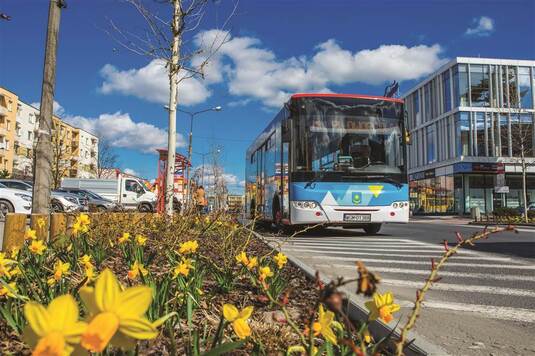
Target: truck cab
{"type": "Point", "coordinates": [134, 195]}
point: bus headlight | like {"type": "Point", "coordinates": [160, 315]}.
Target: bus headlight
{"type": "Point", "coordinates": [400, 204]}
{"type": "Point", "coordinates": [305, 204]}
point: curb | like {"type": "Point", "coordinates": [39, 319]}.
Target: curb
{"type": "Point", "coordinates": [492, 223]}
{"type": "Point", "coordinates": [357, 311]}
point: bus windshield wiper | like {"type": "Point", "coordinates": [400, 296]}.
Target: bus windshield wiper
{"type": "Point", "coordinates": [313, 180]}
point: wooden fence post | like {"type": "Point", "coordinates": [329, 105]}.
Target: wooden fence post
{"type": "Point", "coordinates": [58, 225]}
{"type": "Point", "coordinates": [39, 223]}
{"type": "Point", "coordinates": [14, 231]}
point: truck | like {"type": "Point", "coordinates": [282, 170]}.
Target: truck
{"type": "Point", "coordinates": [126, 191]}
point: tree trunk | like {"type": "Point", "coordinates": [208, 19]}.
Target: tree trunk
{"type": "Point", "coordinates": [43, 171]}
{"type": "Point", "coordinates": [524, 190]}
{"type": "Point", "coordinates": [173, 83]}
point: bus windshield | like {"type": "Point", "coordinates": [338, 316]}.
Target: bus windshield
{"type": "Point", "coordinates": [355, 137]}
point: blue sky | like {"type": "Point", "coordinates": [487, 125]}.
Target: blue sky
{"type": "Point", "coordinates": [274, 48]}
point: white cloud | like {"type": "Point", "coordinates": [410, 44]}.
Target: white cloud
{"type": "Point", "coordinates": [131, 172]}
{"type": "Point", "coordinates": [253, 72]}
{"type": "Point", "coordinates": [56, 107]}
{"type": "Point", "coordinates": [121, 131]}
{"type": "Point", "coordinates": [151, 83]}
{"type": "Point", "coordinates": [483, 26]}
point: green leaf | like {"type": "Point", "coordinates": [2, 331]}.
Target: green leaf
{"type": "Point", "coordinates": [224, 348]}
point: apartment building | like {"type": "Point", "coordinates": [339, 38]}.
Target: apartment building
{"type": "Point", "coordinates": [470, 122]}
{"type": "Point", "coordinates": [75, 151]}
{"type": "Point", "coordinates": [8, 114]}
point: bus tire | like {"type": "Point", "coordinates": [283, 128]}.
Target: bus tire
{"type": "Point", "coordinates": [372, 229]}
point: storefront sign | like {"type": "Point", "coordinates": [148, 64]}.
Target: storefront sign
{"type": "Point", "coordinates": [462, 167]}
{"type": "Point", "coordinates": [485, 167]}
{"type": "Point", "coordinates": [503, 190]}
{"type": "Point", "coordinates": [430, 173]}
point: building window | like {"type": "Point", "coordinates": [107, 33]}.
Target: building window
{"type": "Point", "coordinates": [460, 85]}
{"type": "Point", "coordinates": [504, 135]}
{"type": "Point", "coordinates": [462, 134]}
{"type": "Point", "coordinates": [427, 101]}
{"type": "Point", "coordinates": [513, 87]}
{"type": "Point", "coordinates": [479, 85]}
{"type": "Point", "coordinates": [446, 88]}
{"type": "Point", "coordinates": [524, 88]}
{"type": "Point", "coordinates": [480, 133]}
{"type": "Point", "coordinates": [30, 135]}
{"type": "Point", "coordinates": [416, 104]}
{"type": "Point", "coordinates": [430, 142]}
{"type": "Point", "coordinates": [522, 134]}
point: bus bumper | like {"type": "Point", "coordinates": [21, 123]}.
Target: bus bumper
{"type": "Point", "coordinates": [350, 215]}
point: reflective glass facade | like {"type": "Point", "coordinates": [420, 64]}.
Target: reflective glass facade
{"type": "Point", "coordinates": [473, 112]}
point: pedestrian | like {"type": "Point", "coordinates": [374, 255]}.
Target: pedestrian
{"type": "Point", "coordinates": [200, 199]}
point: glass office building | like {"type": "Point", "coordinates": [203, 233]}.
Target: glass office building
{"type": "Point", "coordinates": [470, 122]}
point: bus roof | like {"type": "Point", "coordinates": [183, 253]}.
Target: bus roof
{"type": "Point", "coordinates": [354, 96]}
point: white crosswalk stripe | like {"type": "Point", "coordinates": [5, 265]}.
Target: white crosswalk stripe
{"type": "Point", "coordinates": [404, 264]}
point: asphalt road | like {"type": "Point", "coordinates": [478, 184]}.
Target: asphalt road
{"type": "Point", "coordinates": [485, 302]}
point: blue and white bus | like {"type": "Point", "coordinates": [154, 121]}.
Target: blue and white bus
{"type": "Point", "coordinates": [332, 159]}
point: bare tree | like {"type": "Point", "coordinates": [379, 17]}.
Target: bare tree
{"type": "Point", "coordinates": [164, 40]}
{"type": "Point", "coordinates": [522, 147]}
{"type": "Point", "coordinates": [63, 159]}
{"type": "Point", "coordinates": [106, 159]}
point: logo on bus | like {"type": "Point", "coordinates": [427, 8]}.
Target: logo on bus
{"type": "Point", "coordinates": [357, 198]}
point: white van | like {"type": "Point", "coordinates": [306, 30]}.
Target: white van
{"type": "Point", "coordinates": [129, 192]}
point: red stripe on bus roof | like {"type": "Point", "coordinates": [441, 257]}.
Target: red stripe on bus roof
{"type": "Point", "coordinates": [355, 96]}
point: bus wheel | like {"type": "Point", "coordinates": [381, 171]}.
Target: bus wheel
{"type": "Point", "coordinates": [372, 229]}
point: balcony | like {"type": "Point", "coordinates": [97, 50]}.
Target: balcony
{"type": "Point", "coordinates": [3, 111]}
{"type": "Point", "coordinates": [74, 143]}
{"type": "Point", "coordinates": [3, 131]}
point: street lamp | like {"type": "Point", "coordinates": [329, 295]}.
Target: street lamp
{"type": "Point", "coordinates": [192, 116]}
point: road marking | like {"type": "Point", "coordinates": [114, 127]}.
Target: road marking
{"type": "Point", "coordinates": [482, 227]}
{"type": "Point", "coordinates": [424, 263]}
{"type": "Point", "coordinates": [353, 253]}
{"type": "Point", "coordinates": [325, 249]}
{"type": "Point", "coordinates": [342, 239]}
{"type": "Point", "coordinates": [442, 273]}
{"type": "Point", "coordinates": [462, 288]}
{"type": "Point", "coordinates": [489, 311]}
{"type": "Point", "coordinates": [387, 244]}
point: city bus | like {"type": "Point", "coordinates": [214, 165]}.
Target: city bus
{"type": "Point", "coordinates": [330, 159]}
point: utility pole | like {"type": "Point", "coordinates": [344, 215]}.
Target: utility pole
{"type": "Point", "coordinates": [176, 27]}
{"type": "Point", "coordinates": [43, 152]}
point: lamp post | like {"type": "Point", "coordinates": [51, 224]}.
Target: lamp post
{"type": "Point", "coordinates": [192, 116]}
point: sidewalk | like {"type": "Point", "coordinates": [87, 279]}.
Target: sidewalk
{"type": "Point", "coordinates": [441, 219]}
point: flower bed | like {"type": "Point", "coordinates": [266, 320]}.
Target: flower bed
{"type": "Point", "coordinates": [191, 285]}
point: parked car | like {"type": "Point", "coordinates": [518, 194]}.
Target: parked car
{"type": "Point", "coordinates": [59, 201]}
{"type": "Point", "coordinates": [95, 201]}
{"type": "Point", "coordinates": [127, 191]}
{"type": "Point", "coordinates": [14, 201]}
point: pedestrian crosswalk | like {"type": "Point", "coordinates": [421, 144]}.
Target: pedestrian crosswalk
{"type": "Point", "coordinates": [492, 286]}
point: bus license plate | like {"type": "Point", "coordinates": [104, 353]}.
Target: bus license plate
{"type": "Point", "coordinates": [357, 217]}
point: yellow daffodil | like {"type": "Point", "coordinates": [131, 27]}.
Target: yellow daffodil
{"type": "Point", "coordinates": [324, 325]}
{"type": "Point", "coordinates": [136, 269]}
{"type": "Point", "coordinates": [30, 234]}
{"type": "Point", "coordinates": [15, 252]}
{"type": "Point", "coordinates": [280, 259]}
{"type": "Point", "coordinates": [183, 268]}
{"type": "Point", "coordinates": [264, 272]}
{"type": "Point", "coordinates": [5, 264]}
{"type": "Point", "coordinates": [37, 247]}
{"type": "Point", "coordinates": [382, 306]}
{"type": "Point", "coordinates": [85, 260]}
{"type": "Point", "coordinates": [188, 247]}
{"type": "Point", "coordinates": [81, 224]}
{"type": "Point", "coordinates": [141, 240]}
{"type": "Point", "coordinates": [89, 273]}
{"type": "Point", "coordinates": [117, 315]}
{"type": "Point", "coordinates": [55, 330]}
{"type": "Point", "coordinates": [238, 319]}
{"type": "Point", "coordinates": [61, 269]}
{"type": "Point", "coordinates": [124, 238]}
{"type": "Point", "coordinates": [250, 263]}
{"type": "Point", "coordinates": [41, 222]}
{"type": "Point", "coordinates": [8, 290]}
